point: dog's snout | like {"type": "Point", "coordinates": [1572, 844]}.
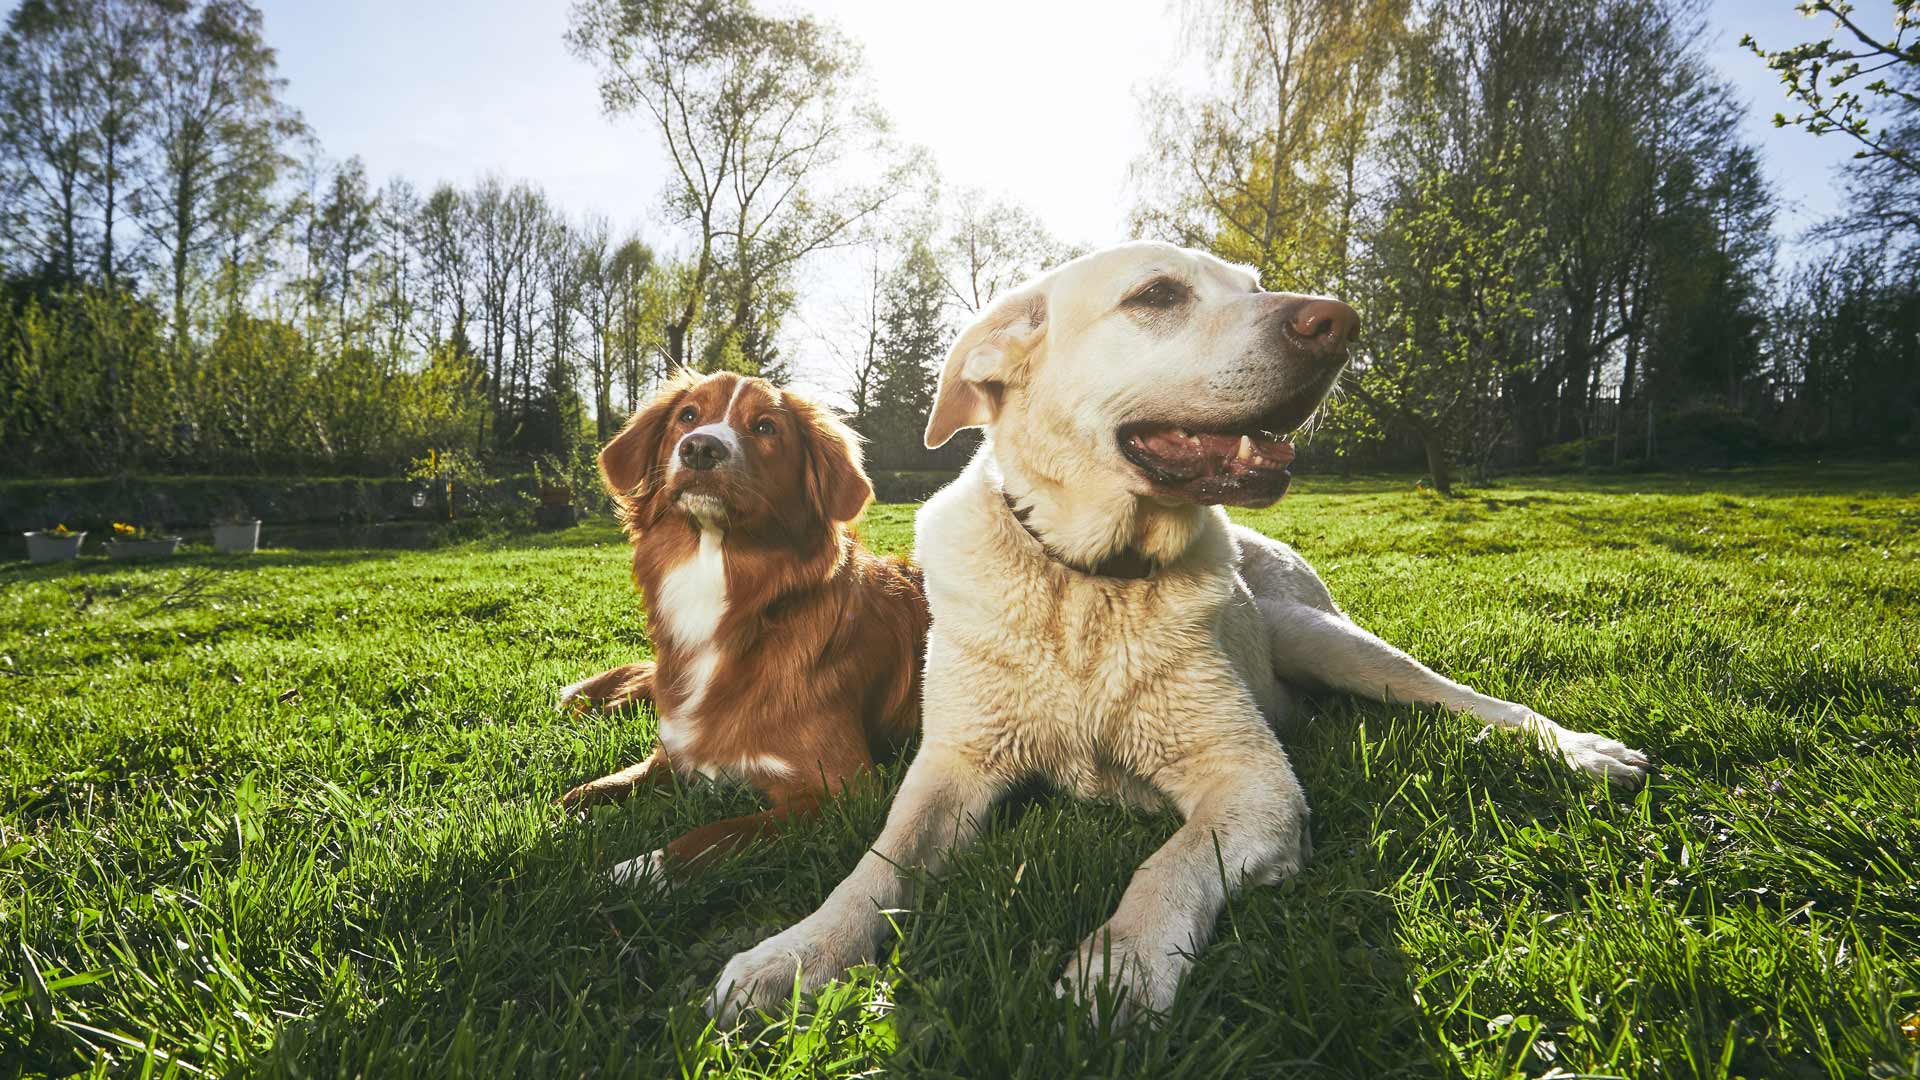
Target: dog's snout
{"type": "Point", "coordinates": [1324, 323]}
{"type": "Point", "coordinates": [698, 451]}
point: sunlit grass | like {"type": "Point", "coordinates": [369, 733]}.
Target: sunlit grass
{"type": "Point", "coordinates": [298, 820]}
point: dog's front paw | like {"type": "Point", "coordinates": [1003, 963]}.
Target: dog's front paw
{"type": "Point", "coordinates": [1134, 977]}
{"type": "Point", "coordinates": [651, 867]}
{"type": "Point", "coordinates": [1598, 755]}
{"type": "Point", "coordinates": [765, 975]}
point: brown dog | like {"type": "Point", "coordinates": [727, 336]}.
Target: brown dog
{"type": "Point", "coordinates": [786, 655]}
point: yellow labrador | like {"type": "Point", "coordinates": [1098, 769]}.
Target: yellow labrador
{"type": "Point", "coordinates": [1097, 620]}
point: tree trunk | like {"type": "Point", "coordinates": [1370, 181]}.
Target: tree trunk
{"type": "Point", "coordinates": [1619, 426]}
{"type": "Point", "coordinates": [1439, 470]}
{"type": "Point", "coordinates": [180, 298]}
{"type": "Point", "coordinates": [1626, 394]}
{"type": "Point", "coordinates": [106, 238]}
{"type": "Point", "coordinates": [676, 345]}
{"type": "Point", "coordinates": [69, 239]}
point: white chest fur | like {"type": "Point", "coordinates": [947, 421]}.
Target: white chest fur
{"type": "Point", "coordinates": [687, 611]}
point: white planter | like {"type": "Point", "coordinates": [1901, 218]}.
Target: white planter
{"type": "Point", "coordinates": [143, 549]}
{"type": "Point", "coordinates": [45, 547]}
{"type": "Point", "coordinates": [242, 538]}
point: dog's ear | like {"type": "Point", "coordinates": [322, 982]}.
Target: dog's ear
{"type": "Point", "coordinates": [988, 355]}
{"type": "Point", "coordinates": [627, 463]}
{"type": "Point", "coordinates": [836, 482]}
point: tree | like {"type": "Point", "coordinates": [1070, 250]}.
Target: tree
{"type": "Point", "coordinates": [1865, 87]}
{"type": "Point", "coordinates": [1455, 296]}
{"type": "Point", "coordinates": [991, 245]}
{"type": "Point", "coordinates": [755, 111]}
{"type": "Point", "coordinates": [855, 342]}
{"type": "Point", "coordinates": [1711, 268]}
{"type": "Point", "coordinates": [500, 221]}
{"type": "Point", "coordinates": [558, 251]}
{"type": "Point", "coordinates": [45, 133]}
{"type": "Point", "coordinates": [442, 234]}
{"type": "Point", "coordinates": [1845, 341]}
{"type": "Point", "coordinates": [612, 280]}
{"type": "Point", "coordinates": [911, 344]}
{"type": "Point", "coordinates": [116, 49]}
{"type": "Point", "coordinates": [218, 128]}
{"type": "Point", "coordinates": [394, 265]}
{"type": "Point", "coordinates": [1263, 166]}
{"type": "Point", "coordinates": [341, 238]}
{"type": "Point", "coordinates": [1844, 104]}
{"type": "Point", "coordinates": [646, 289]}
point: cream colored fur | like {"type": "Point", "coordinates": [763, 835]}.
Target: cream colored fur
{"type": "Point", "coordinates": [1165, 689]}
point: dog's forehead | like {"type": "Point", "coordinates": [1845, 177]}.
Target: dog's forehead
{"type": "Point", "coordinates": [735, 397]}
{"type": "Point", "coordinates": [1126, 264]}
{"type": "Point", "coordinates": [710, 394]}
{"type": "Point", "coordinates": [751, 397]}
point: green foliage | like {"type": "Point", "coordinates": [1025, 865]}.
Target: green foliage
{"type": "Point", "coordinates": [88, 382]}
{"type": "Point", "coordinates": [1454, 293]}
{"type": "Point", "coordinates": [299, 820]}
{"type": "Point", "coordinates": [1535, 208]}
{"type": "Point", "coordinates": [1847, 332]}
{"type": "Point", "coordinates": [1264, 165]}
{"type": "Point", "coordinates": [66, 364]}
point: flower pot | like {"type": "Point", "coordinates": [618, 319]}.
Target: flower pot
{"type": "Point", "coordinates": [143, 549]}
{"type": "Point", "coordinates": [237, 538]}
{"type": "Point", "coordinates": [46, 547]}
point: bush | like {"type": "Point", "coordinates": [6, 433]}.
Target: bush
{"type": "Point", "coordinates": [908, 485]}
{"type": "Point", "coordinates": [1709, 433]}
{"type": "Point", "coordinates": [1576, 454]}
{"type": "Point", "coordinates": [90, 383]}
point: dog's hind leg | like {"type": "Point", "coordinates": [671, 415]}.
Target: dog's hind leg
{"type": "Point", "coordinates": [1313, 647]}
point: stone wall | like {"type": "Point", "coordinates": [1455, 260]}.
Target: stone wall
{"type": "Point", "coordinates": [193, 502]}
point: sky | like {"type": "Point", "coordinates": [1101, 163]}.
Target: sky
{"type": "Point", "coordinates": [1032, 99]}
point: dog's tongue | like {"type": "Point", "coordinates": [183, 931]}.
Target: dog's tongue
{"type": "Point", "coordinates": [1209, 453]}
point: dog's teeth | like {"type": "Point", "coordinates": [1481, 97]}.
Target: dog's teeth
{"type": "Point", "coordinates": [1246, 448]}
{"type": "Point", "coordinates": [1184, 433]}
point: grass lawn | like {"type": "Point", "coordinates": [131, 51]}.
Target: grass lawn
{"type": "Point", "coordinates": [291, 815]}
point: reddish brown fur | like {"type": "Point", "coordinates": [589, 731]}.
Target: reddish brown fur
{"type": "Point", "coordinates": [821, 642]}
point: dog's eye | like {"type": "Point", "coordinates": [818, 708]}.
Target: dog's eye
{"type": "Point", "coordinates": [1164, 293]}
{"type": "Point", "coordinates": [689, 414]}
{"type": "Point", "coordinates": [763, 427]}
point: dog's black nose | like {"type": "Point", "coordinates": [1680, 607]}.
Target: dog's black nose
{"type": "Point", "coordinates": [702, 451]}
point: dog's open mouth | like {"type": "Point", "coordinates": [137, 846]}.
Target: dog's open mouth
{"type": "Point", "coordinates": [1245, 466]}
